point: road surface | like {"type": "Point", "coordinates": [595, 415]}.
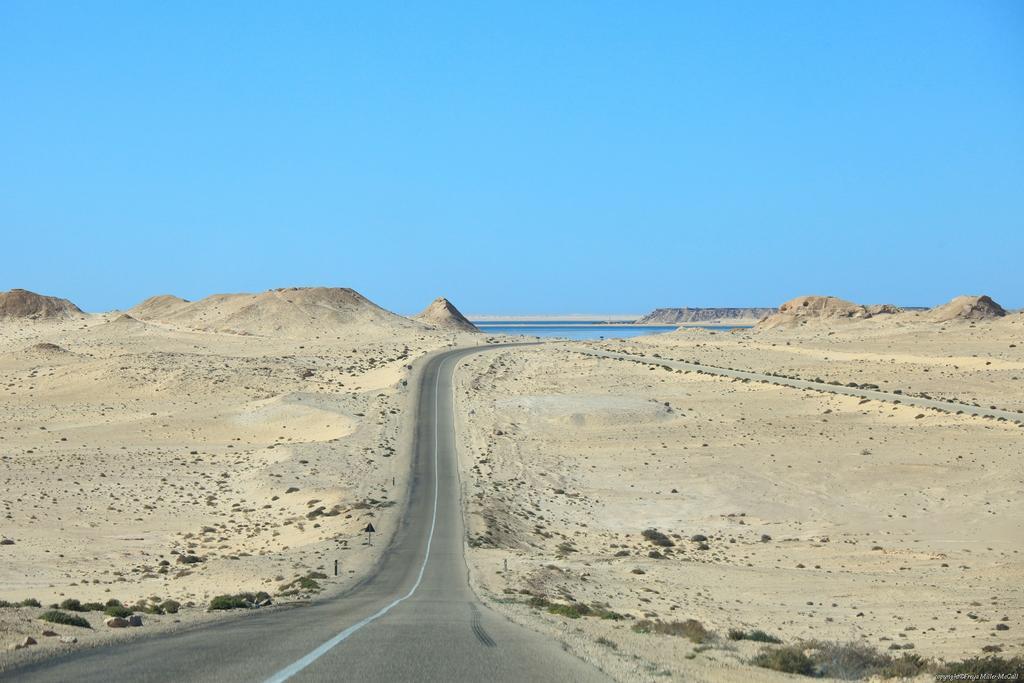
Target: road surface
{"type": "Point", "coordinates": [414, 619]}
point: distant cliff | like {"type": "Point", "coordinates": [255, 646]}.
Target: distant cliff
{"type": "Point", "coordinates": [675, 316]}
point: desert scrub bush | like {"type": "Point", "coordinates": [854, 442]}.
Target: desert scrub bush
{"type": "Point", "coordinates": [306, 583]}
{"type": "Point", "coordinates": [538, 602]}
{"type": "Point", "coordinates": [117, 611]}
{"type": "Point", "coordinates": [905, 666]}
{"type": "Point", "coordinates": [92, 606]}
{"type": "Point", "coordinates": [147, 608]}
{"type": "Point", "coordinates": [72, 605]}
{"type": "Point", "coordinates": [847, 661]}
{"type": "Point", "coordinates": [170, 606]}
{"type": "Point", "coordinates": [30, 602]}
{"type": "Point", "coordinates": [227, 602]}
{"type": "Point", "coordinates": [658, 538]}
{"type": "Point", "coordinates": [238, 601]}
{"type": "Point", "coordinates": [573, 610]}
{"type": "Point", "coordinates": [756, 635]}
{"type": "Point", "coordinates": [790, 659]}
{"type": "Point", "coordinates": [691, 629]}
{"type": "Point", "coordinates": [991, 665]}
{"type": "Point", "coordinates": [605, 613]}
{"type": "Point", "coordinates": [57, 617]}
{"type": "Point", "coordinates": [855, 661]}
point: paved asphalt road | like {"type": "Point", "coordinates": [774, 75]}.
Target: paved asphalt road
{"type": "Point", "coordinates": [415, 619]}
{"type": "Point", "coordinates": [816, 386]}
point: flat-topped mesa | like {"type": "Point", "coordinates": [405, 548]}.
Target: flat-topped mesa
{"type": "Point", "coordinates": [967, 308]}
{"type": "Point", "coordinates": [21, 304]}
{"type": "Point", "coordinates": [442, 314]}
{"type": "Point", "coordinates": [287, 312]}
{"type": "Point", "coordinates": [675, 316]}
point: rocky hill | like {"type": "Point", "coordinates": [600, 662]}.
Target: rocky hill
{"type": "Point", "coordinates": [442, 314]}
{"type": "Point", "coordinates": [967, 308]}
{"type": "Point", "coordinates": [21, 304]}
{"type": "Point", "coordinates": [811, 309]}
{"type": "Point", "coordinates": [675, 316]}
{"type": "Point", "coordinates": [806, 310]}
{"type": "Point", "coordinates": [290, 312]}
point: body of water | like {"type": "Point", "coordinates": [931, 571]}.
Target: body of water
{"type": "Point", "coordinates": [581, 329]}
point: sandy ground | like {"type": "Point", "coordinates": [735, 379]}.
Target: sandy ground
{"type": "Point", "coordinates": [215, 450]}
{"type": "Point", "coordinates": [145, 460]}
{"type": "Point", "coordinates": [806, 515]}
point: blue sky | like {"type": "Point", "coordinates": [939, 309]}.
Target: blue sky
{"type": "Point", "coordinates": [515, 157]}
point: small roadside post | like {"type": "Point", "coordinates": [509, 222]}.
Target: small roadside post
{"type": "Point", "coordinates": [335, 567]}
{"type": "Point", "coordinates": [369, 533]}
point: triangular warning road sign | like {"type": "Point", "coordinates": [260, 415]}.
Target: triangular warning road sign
{"type": "Point", "coordinates": [369, 528]}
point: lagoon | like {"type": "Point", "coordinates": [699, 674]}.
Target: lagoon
{"type": "Point", "coordinates": [582, 329]}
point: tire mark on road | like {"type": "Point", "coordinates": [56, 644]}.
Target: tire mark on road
{"type": "Point", "coordinates": [478, 629]}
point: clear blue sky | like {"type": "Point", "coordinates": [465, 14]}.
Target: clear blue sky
{"type": "Point", "coordinates": [515, 157]}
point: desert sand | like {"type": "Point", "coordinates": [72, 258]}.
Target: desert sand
{"type": "Point", "coordinates": [184, 450]}
{"type": "Point", "coordinates": [803, 514]}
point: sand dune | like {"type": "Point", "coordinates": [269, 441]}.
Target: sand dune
{"type": "Point", "coordinates": [257, 433]}
{"type": "Point", "coordinates": [290, 312]}
{"type": "Point", "coordinates": [159, 307]}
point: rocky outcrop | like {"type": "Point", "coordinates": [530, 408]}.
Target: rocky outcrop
{"type": "Point", "coordinates": [27, 641]}
{"type": "Point", "coordinates": [967, 308]}
{"type": "Point", "coordinates": [676, 316]}
{"type": "Point", "coordinates": [883, 309]}
{"type": "Point", "coordinates": [807, 309]}
{"type": "Point", "coordinates": [442, 314]}
{"type": "Point", "coordinates": [21, 304]}
{"type": "Point", "coordinates": [46, 348]}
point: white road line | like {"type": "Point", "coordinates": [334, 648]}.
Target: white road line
{"type": "Point", "coordinates": [289, 671]}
